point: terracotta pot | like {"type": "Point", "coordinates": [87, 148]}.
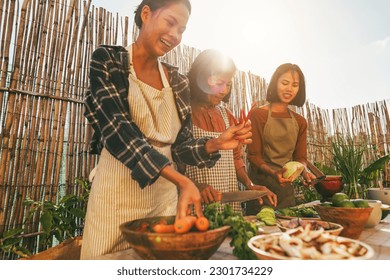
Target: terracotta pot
{"type": "Point", "coordinates": [352, 219]}
{"type": "Point", "coordinates": [329, 186]}
{"type": "Point", "coordinates": [70, 249]}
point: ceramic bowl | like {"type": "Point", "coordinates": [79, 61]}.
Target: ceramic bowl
{"type": "Point", "coordinates": [264, 247]}
{"type": "Point", "coordinates": [171, 246]}
{"type": "Point", "coordinates": [352, 219]}
{"type": "Point", "coordinates": [376, 214]}
{"type": "Point", "coordinates": [329, 227]}
{"type": "Point", "coordinates": [379, 194]}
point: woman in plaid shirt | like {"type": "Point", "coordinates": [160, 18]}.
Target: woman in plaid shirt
{"type": "Point", "coordinates": [140, 112]}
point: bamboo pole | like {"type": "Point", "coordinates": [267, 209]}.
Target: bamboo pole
{"type": "Point", "coordinates": [126, 32]}
{"type": "Point", "coordinates": [76, 117]}
{"type": "Point", "coordinates": [26, 81]}
{"type": "Point", "coordinates": [2, 9]}
{"type": "Point", "coordinates": [70, 66]}
{"type": "Point", "coordinates": [11, 118]}
{"type": "Point", "coordinates": [5, 50]}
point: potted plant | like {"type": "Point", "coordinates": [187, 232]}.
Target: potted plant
{"type": "Point", "coordinates": [60, 222]}
{"type": "Point", "coordinates": [348, 160]}
{"type": "Point", "coordinates": [371, 176]}
{"type": "Point", "coordinates": [347, 157]}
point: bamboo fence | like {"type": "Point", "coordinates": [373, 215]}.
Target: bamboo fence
{"type": "Point", "coordinates": [45, 50]}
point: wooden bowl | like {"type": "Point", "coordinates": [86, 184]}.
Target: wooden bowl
{"type": "Point", "coordinates": [171, 246]}
{"type": "Point", "coordinates": [352, 219]}
{"type": "Point", "coordinates": [329, 186]}
{"type": "Point", "coordinates": [329, 227]}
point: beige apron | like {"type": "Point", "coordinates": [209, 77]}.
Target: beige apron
{"type": "Point", "coordinates": [115, 197]}
{"type": "Point", "coordinates": [222, 176]}
{"type": "Point", "coordinates": [279, 137]}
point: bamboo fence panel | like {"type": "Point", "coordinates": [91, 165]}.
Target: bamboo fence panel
{"type": "Point", "coordinates": [45, 50]}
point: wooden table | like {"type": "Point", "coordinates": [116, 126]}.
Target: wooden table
{"type": "Point", "coordinates": [377, 237]}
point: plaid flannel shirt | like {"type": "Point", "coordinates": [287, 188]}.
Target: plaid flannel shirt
{"type": "Point", "coordinates": [107, 110]}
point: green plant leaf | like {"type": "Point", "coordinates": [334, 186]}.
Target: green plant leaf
{"type": "Point", "coordinates": [12, 241]}
{"type": "Point", "coordinates": [77, 212]}
{"type": "Point", "coordinates": [28, 201]}
{"type": "Point", "coordinates": [12, 232]}
{"type": "Point", "coordinates": [6, 248]}
{"type": "Point", "coordinates": [46, 221]}
{"type": "Point", "coordinates": [59, 235]}
{"type": "Point", "coordinates": [377, 165]}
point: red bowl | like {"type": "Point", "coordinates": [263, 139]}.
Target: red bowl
{"type": "Point", "coordinates": [329, 186]}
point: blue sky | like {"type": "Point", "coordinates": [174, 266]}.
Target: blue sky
{"type": "Point", "coordinates": [342, 46]}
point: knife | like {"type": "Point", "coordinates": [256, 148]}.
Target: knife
{"type": "Point", "coordinates": [241, 196]}
{"type": "Point", "coordinates": [317, 172]}
{"type": "Point", "coordinates": [317, 180]}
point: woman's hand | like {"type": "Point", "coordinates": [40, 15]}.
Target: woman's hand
{"type": "Point", "coordinates": [188, 192]}
{"type": "Point", "coordinates": [278, 175]}
{"type": "Point", "coordinates": [231, 138]}
{"type": "Point", "coordinates": [307, 178]}
{"type": "Point", "coordinates": [188, 195]}
{"type": "Point", "coordinates": [209, 194]}
{"type": "Point", "coordinates": [272, 197]}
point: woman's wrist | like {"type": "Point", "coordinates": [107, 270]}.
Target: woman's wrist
{"type": "Point", "coordinates": [212, 145]}
{"type": "Point", "coordinates": [249, 185]}
{"type": "Point", "coordinates": [175, 177]}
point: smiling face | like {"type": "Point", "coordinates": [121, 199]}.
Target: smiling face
{"type": "Point", "coordinates": [220, 86]}
{"type": "Point", "coordinates": [163, 28]}
{"type": "Point", "coordinates": [288, 86]}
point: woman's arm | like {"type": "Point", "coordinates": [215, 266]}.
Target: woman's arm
{"type": "Point", "coordinates": [255, 150]}
{"type": "Point", "coordinates": [108, 112]}
{"type": "Point", "coordinates": [243, 177]}
{"type": "Point", "coordinates": [202, 152]}
{"type": "Point", "coordinates": [300, 153]}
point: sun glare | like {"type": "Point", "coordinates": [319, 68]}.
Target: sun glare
{"type": "Point", "coordinates": [250, 33]}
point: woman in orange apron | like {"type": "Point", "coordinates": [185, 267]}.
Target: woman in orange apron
{"type": "Point", "coordinates": [279, 136]}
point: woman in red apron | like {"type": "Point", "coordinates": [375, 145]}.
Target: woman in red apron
{"type": "Point", "coordinates": [210, 79]}
{"type": "Point", "coordinates": [279, 136]}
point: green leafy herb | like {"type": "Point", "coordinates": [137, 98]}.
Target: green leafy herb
{"type": "Point", "coordinates": [306, 212]}
{"type": "Point", "coordinates": [241, 229]}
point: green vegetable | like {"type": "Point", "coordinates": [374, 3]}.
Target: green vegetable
{"type": "Point", "coordinates": [267, 215]}
{"type": "Point", "coordinates": [307, 212]}
{"type": "Point", "coordinates": [241, 229]}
